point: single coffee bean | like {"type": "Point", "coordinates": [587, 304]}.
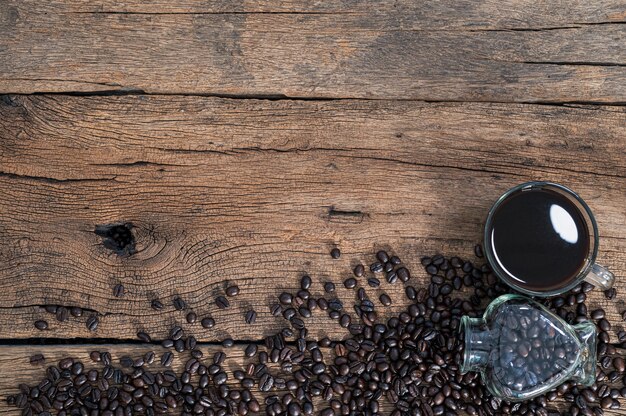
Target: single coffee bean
{"type": "Point", "coordinates": [373, 282]}
{"type": "Point", "coordinates": [305, 282]}
{"type": "Point", "coordinates": [385, 299]}
{"type": "Point", "coordinates": [597, 314]}
{"type": "Point", "coordinates": [329, 287]}
{"type": "Point", "coordinates": [41, 325]}
{"type": "Point", "coordinates": [250, 317]}
{"type": "Point", "coordinates": [359, 270]}
{"type": "Point", "coordinates": [92, 323]}
{"type": "Point", "coordinates": [376, 267]}
{"type": "Point", "coordinates": [335, 253]}
{"type": "Point", "coordinates": [350, 283]}
{"type": "Point", "coordinates": [232, 290]}
{"type": "Point", "coordinates": [37, 359]}
{"type": "Point", "coordinates": [179, 303]}
{"type": "Point", "coordinates": [191, 317]}
{"type": "Point", "coordinates": [143, 336]}
{"type": "Point", "coordinates": [156, 305]}
{"type": "Point", "coordinates": [118, 290]}
{"type": "Point", "coordinates": [251, 350]}
{"type": "Point", "coordinates": [222, 302]}
{"type": "Point", "coordinates": [382, 256]}
{"type": "Point", "coordinates": [207, 322]}
{"type": "Point", "coordinates": [62, 314]}
{"type": "Point", "coordinates": [166, 359]}
{"type": "Point", "coordinates": [285, 298]}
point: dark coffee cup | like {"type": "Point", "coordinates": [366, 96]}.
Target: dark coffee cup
{"type": "Point", "coordinates": [542, 239]}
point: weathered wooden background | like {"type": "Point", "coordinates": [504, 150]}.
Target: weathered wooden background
{"type": "Point", "coordinates": [245, 139]}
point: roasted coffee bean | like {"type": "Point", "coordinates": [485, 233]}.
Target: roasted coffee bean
{"type": "Point", "coordinates": [611, 293]}
{"type": "Point", "coordinates": [37, 359]}
{"type": "Point", "coordinates": [191, 317]}
{"type": "Point", "coordinates": [385, 299]}
{"type": "Point", "coordinates": [350, 283]}
{"type": "Point", "coordinates": [359, 270]}
{"type": "Point", "coordinates": [305, 282]}
{"type": "Point", "coordinates": [222, 302]}
{"type": "Point", "coordinates": [335, 253]}
{"type": "Point", "coordinates": [118, 290]}
{"type": "Point", "coordinates": [143, 336]}
{"type": "Point", "coordinates": [373, 282]}
{"type": "Point", "coordinates": [207, 322]}
{"type": "Point", "coordinates": [156, 305]}
{"type": "Point", "coordinates": [403, 274]}
{"type": "Point", "coordinates": [62, 314]}
{"type": "Point", "coordinates": [285, 298]}
{"type": "Point", "coordinates": [179, 303]}
{"type": "Point", "coordinates": [92, 323]}
{"type": "Point", "coordinates": [604, 325]}
{"type": "Point", "coordinates": [597, 314]}
{"type": "Point", "coordinates": [250, 317]}
{"type": "Point", "coordinates": [232, 290]}
{"type": "Point", "coordinates": [41, 325]}
{"type": "Point", "coordinates": [329, 287]}
{"type": "Point", "coordinates": [251, 350]}
{"type": "Point", "coordinates": [376, 267]}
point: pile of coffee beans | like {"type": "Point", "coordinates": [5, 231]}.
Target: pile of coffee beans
{"type": "Point", "coordinates": [401, 365]}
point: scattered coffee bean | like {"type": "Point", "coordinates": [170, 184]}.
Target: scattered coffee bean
{"type": "Point", "coordinates": [350, 283]}
{"type": "Point", "coordinates": [250, 317]}
{"type": "Point", "coordinates": [222, 302]}
{"type": "Point", "coordinates": [92, 323]}
{"type": "Point", "coordinates": [37, 359]}
{"type": "Point", "coordinates": [359, 270]}
{"type": "Point", "coordinates": [385, 299]}
{"type": "Point", "coordinates": [207, 322]}
{"type": "Point", "coordinates": [41, 325]}
{"type": "Point", "coordinates": [118, 290]}
{"type": "Point", "coordinates": [408, 361]}
{"type": "Point", "coordinates": [156, 305]}
{"type": "Point", "coordinates": [305, 282]}
{"type": "Point", "coordinates": [191, 317]}
{"type": "Point", "coordinates": [179, 303]}
{"type": "Point", "coordinates": [232, 290]}
{"type": "Point", "coordinates": [335, 253]}
{"type": "Point", "coordinates": [143, 336]}
{"type": "Point", "coordinates": [62, 314]}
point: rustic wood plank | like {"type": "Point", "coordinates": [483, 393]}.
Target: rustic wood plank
{"type": "Point", "coordinates": [257, 192]}
{"type": "Point", "coordinates": [15, 367]}
{"type": "Point", "coordinates": [477, 51]}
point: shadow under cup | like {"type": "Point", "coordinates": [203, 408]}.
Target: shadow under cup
{"type": "Point", "coordinates": [542, 239]}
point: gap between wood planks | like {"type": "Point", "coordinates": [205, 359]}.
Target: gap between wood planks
{"type": "Point", "coordinates": [5, 96]}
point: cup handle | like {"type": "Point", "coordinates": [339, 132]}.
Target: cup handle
{"type": "Point", "coordinates": [600, 277]}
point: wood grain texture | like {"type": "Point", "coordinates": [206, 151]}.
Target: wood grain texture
{"type": "Point", "coordinates": [519, 51]}
{"type": "Point", "coordinates": [257, 192]}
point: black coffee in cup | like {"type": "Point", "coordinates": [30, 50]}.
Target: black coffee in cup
{"type": "Point", "coordinates": [539, 239]}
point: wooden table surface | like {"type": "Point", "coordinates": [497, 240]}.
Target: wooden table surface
{"type": "Point", "coordinates": [244, 139]}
